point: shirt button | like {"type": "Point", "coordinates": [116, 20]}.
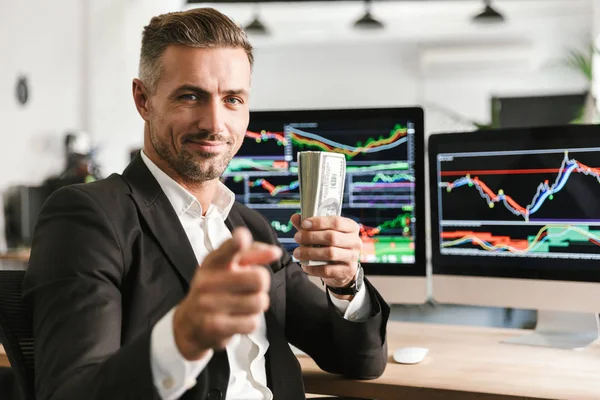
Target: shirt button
{"type": "Point", "coordinates": [168, 383]}
{"type": "Point", "coordinates": [214, 394]}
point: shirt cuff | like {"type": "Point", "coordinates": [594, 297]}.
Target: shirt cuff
{"type": "Point", "coordinates": [356, 310]}
{"type": "Point", "coordinates": [173, 375]}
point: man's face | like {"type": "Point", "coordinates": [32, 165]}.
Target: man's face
{"type": "Point", "coordinates": [198, 114]}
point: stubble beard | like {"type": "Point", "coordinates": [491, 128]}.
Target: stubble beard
{"type": "Point", "coordinates": [194, 167]}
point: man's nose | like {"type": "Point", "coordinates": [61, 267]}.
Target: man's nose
{"type": "Point", "coordinates": [212, 118]}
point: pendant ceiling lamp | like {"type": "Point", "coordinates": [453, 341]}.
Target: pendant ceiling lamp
{"type": "Point", "coordinates": [256, 26]}
{"type": "Point", "coordinates": [489, 14]}
{"type": "Point", "coordinates": [367, 21]}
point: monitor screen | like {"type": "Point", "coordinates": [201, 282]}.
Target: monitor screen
{"type": "Point", "coordinates": [521, 203]}
{"type": "Point", "coordinates": [384, 182]}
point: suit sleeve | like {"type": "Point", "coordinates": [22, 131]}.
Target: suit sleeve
{"type": "Point", "coordinates": [355, 349]}
{"type": "Point", "coordinates": [73, 286]}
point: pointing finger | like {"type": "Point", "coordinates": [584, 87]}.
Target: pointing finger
{"type": "Point", "coordinates": [260, 254]}
{"type": "Point", "coordinates": [230, 251]}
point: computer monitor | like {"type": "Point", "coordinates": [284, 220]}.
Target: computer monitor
{"type": "Point", "coordinates": [532, 111]}
{"type": "Point", "coordinates": [515, 222]}
{"type": "Point", "coordinates": [384, 183]}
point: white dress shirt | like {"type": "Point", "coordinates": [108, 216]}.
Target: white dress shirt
{"type": "Point", "coordinates": [173, 375]}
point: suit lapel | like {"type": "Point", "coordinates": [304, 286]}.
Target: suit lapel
{"type": "Point", "coordinates": [157, 211]}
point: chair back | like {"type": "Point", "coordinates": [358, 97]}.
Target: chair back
{"type": "Point", "coordinates": [16, 331]}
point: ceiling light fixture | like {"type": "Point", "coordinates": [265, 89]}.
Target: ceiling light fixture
{"type": "Point", "coordinates": [256, 26]}
{"type": "Point", "coordinates": [367, 21]}
{"type": "Point", "coordinates": [489, 14]}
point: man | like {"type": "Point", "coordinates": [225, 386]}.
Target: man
{"type": "Point", "coordinates": [152, 284]}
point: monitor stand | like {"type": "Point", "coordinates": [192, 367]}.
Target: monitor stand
{"type": "Point", "coordinates": [564, 330]}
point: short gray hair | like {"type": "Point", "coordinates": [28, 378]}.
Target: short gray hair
{"type": "Point", "coordinates": [199, 27]}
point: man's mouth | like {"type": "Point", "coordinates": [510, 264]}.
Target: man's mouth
{"type": "Point", "coordinates": [207, 146]}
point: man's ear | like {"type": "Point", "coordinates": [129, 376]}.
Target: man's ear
{"type": "Point", "coordinates": [140, 98]}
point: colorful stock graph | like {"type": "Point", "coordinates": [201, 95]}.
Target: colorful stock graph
{"type": "Point", "coordinates": [379, 185]}
{"type": "Point", "coordinates": [548, 238]}
{"type": "Point", "coordinates": [531, 209]}
{"type": "Point", "coordinates": [310, 141]}
{"type": "Point", "coordinates": [545, 191]}
{"type": "Point", "coordinates": [389, 241]}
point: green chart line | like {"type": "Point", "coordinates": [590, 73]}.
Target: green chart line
{"type": "Point", "coordinates": [381, 177]}
{"type": "Point", "coordinates": [278, 226]}
{"type": "Point", "coordinates": [402, 220]}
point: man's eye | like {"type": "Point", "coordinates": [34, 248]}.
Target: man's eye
{"type": "Point", "coordinates": [233, 100]}
{"type": "Point", "coordinates": [188, 97]}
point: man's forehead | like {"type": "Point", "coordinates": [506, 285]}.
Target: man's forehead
{"type": "Point", "coordinates": [180, 54]}
{"type": "Point", "coordinates": [184, 63]}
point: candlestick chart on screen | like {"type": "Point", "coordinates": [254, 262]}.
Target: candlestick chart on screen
{"type": "Point", "coordinates": [380, 183]}
{"type": "Point", "coordinates": [540, 203]}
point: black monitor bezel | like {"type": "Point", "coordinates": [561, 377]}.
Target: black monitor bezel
{"type": "Point", "coordinates": [489, 267]}
{"type": "Point", "coordinates": [413, 114]}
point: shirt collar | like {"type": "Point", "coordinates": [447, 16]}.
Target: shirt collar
{"type": "Point", "coordinates": [183, 201]}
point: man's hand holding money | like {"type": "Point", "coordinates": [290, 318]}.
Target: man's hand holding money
{"type": "Point", "coordinates": [338, 243]}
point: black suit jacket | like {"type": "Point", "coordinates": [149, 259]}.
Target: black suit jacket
{"type": "Point", "coordinates": [110, 258]}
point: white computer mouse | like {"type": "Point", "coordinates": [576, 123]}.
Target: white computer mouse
{"type": "Point", "coordinates": [410, 355]}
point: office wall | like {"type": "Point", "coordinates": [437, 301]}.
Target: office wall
{"type": "Point", "coordinates": [334, 75]}
{"type": "Point", "coordinates": [429, 54]}
{"type": "Point", "coordinates": [596, 18]}
{"type": "Point", "coordinates": [41, 40]}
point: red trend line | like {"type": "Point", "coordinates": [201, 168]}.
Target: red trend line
{"type": "Point", "coordinates": [503, 171]}
{"type": "Point", "coordinates": [592, 169]}
{"type": "Point", "coordinates": [494, 196]}
{"type": "Point", "coordinates": [268, 186]}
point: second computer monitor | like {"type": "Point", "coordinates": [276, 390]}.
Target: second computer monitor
{"type": "Point", "coordinates": [383, 190]}
{"type": "Point", "coordinates": [516, 222]}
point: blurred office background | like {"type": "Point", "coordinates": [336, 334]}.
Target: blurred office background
{"type": "Point", "coordinates": [67, 65]}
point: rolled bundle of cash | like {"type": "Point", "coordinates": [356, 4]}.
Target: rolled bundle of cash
{"type": "Point", "coordinates": [322, 176]}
